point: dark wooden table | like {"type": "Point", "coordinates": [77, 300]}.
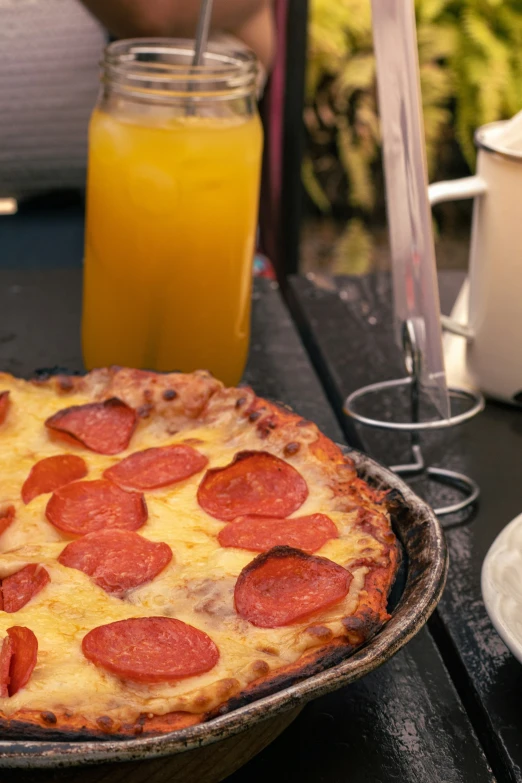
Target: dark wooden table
{"type": "Point", "coordinates": [444, 709]}
{"type": "Point", "coordinates": [354, 320]}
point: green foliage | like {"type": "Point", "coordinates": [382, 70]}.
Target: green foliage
{"type": "Point", "coordinates": [352, 250]}
{"type": "Point", "coordinates": [470, 54]}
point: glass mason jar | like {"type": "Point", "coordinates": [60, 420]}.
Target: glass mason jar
{"type": "Point", "coordinates": [172, 200]}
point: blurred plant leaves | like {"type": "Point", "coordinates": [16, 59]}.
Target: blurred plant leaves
{"type": "Point", "coordinates": [353, 250]}
{"type": "Point", "coordinates": [470, 54]}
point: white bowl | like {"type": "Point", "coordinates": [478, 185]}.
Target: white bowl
{"type": "Point", "coordinates": [502, 585]}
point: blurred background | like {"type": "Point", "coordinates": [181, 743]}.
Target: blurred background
{"type": "Point", "coordinates": [471, 73]}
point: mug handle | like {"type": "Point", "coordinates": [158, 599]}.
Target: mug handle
{"type": "Point", "coordinates": [456, 190]}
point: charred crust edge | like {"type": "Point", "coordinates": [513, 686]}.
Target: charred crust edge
{"type": "Point", "coordinates": [322, 658]}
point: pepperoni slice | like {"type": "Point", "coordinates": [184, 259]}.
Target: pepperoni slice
{"type": "Point", "coordinates": [6, 652]}
{"type": "Point", "coordinates": [87, 506]}
{"type": "Point", "coordinates": [285, 585]}
{"type": "Point", "coordinates": [151, 649]}
{"type": "Point", "coordinates": [255, 482]}
{"type": "Point", "coordinates": [7, 516]}
{"type": "Point", "coordinates": [4, 406]}
{"type": "Point", "coordinates": [157, 467]}
{"type": "Point", "coordinates": [24, 652]}
{"type": "Point", "coordinates": [51, 473]}
{"type": "Point", "coordinates": [104, 427]}
{"type": "Point", "coordinates": [117, 560]}
{"type": "Point", "coordinates": [258, 534]}
{"type": "Point", "coordinates": [19, 588]}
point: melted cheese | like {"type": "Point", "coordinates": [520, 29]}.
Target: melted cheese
{"type": "Point", "coordinates": [196, 587]}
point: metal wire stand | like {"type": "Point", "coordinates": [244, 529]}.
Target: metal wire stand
{"type": "Point", "coordinates": [413, 361]}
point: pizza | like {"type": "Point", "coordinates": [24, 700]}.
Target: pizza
{"type": "Point", "coordinates": [171, 549]}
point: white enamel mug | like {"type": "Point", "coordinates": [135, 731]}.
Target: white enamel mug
{"type": "Point", "coordinates": [494, 328]}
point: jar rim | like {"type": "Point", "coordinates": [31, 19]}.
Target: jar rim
{"type": "Point", "coordinates": [161, 68]}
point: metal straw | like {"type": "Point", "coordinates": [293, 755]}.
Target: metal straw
{"type": "Point", "coordinates": [415, 287]}
{"type": "Point", "coordinates": [205, 13]}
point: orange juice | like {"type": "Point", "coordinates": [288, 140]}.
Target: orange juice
{"type": "Point", "coordinates": [171, 222]}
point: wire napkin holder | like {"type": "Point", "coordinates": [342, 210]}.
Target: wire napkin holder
{"type": "Point", "coordinates": [417, 465]}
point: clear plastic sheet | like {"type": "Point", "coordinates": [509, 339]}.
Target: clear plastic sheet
{"type": "Point", "coordinates": [415, 287]}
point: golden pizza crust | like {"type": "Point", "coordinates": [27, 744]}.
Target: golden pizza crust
{"type": "Point", "coordinates": [175, 403]}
